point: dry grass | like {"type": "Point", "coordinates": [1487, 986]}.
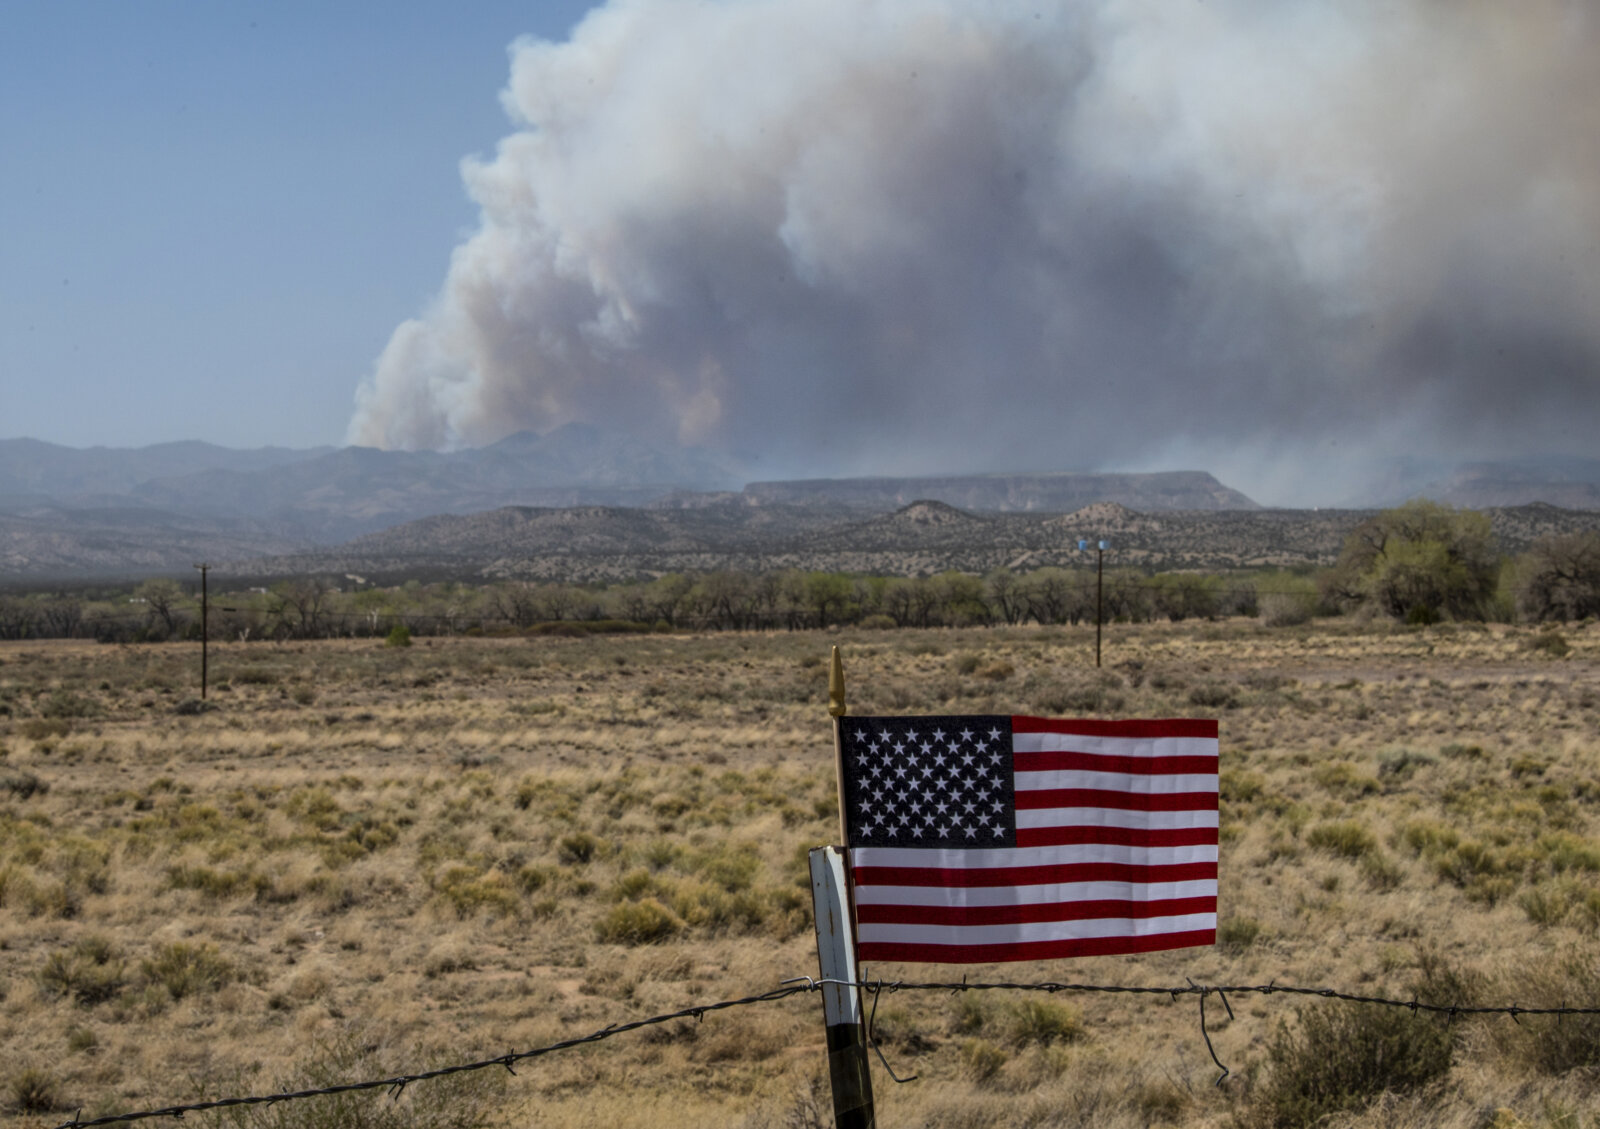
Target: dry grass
{"type": "Point", "coordinates": [367, 857]}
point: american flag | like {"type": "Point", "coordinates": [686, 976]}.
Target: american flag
{"type": "Point", "coordinates": [991, 838]}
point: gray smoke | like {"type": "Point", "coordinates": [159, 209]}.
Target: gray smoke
{"type": "Point", "coordinates": [1273, 240]}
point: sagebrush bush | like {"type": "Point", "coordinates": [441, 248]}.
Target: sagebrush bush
{"type": "Point", "coordinates": [1345, 838]}
{"type": "Point", "coordinates": [1044, 1022]}
{"type": "Point", "coordinates": [637, 923]}
{"type": "Point", "coordinates": [88, 973]}
{"type": "Point", "coordinates": [1342, 1056]}
{"type": "Point", "coordinates": [1551, 1044]}
{"type": "Point", "coordinates": [34, 1090]}
{"type": "Point", "coordinates": [186, 970]}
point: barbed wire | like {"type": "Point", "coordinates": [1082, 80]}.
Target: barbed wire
{"type": "Point", "coordinates": [396, 1084]}
{"type": "Point", "coordinates": [805, 985]}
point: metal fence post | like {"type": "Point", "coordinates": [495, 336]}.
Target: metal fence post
{"type": "Point", "coordinates": [841, 1005]}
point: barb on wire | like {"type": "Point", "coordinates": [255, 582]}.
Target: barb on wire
{"type": "Point", "coordinates": [397, 1085]}
{"type": "Point", "coordinates": [1206, 1035]}
{"type": "Point", "coordinates": [872, 1037]}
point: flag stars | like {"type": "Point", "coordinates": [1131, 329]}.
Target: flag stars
{"type": "Point", "coordinates": [928, 787]}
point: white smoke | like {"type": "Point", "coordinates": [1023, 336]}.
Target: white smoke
{"type": "Point", "coordinates": [905, 236]}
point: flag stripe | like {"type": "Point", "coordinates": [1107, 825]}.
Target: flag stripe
{"type": "Point", "coordinates": [1121, 912]}
{"type": "Point", "coordinates": [1111, 817]}
{"type": "Point", "coordinates": [1122, 892]}
{"type": "Point", "coordinates": [1087, 727]}
{"type": "Point", "coordinates": [1084, 797]}
{"type": "Point", "coordinates": [1025, 931]}
{"type": "Point", "coordinates": [1117, 836]}
{"type": "Point", "coordinates": [1058, 760]}
{"type": "Point", "coordinates": [1057, 949]}
{"type": "Point", "coordinates": [1044, 855]}
{"type": "Point", "coordinates": [869, 878]}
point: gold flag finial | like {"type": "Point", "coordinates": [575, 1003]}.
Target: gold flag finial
{"type": "Point", "coordinates": [836, 686]}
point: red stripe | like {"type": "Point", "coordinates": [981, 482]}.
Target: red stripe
{"type": "Point", "coordinates": [1056, 761]}
{"type": "Point", "coordinates": [1120, 908]}
{"type": "Point", "coordinates": [972, 877]}
{"type": "Point", "coordinates": [1085, 727]}
{"type": "Point", "coordinates": [1121, 801]}
{"type": "Point", "coordinates": [1117, 836]}
{"type": "Point", "coordinates": [1033, 950]}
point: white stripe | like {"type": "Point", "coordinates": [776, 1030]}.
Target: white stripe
{"type": "Point", "coordinates": [1114, 746]}
{"type": "Point", "coordinates": [870, 931]}
{"type": "Point", "coordinates": [966, 896]}
{"type": "Point", "coordinates": [1162, 785]}
{"type": "Point", "coordinates": [1112, 817]}
{"type": "Point", "coordinates": [947, 858]}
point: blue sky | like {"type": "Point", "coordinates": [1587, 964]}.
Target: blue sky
{"type": "Point", "coordinates": [212, 216]}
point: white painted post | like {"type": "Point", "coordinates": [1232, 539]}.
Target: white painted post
{"type": "Point", "coordinates": [841, 1005]}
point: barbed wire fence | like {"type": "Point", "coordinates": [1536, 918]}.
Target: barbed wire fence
{"type": "Point", "coordinates": [876, 989]}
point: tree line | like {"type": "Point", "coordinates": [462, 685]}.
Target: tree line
{"type": "Point", "coordinates": [1419, 563]}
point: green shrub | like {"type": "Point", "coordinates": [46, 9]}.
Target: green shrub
{"type": "Point", "coordinates": [1551, 1044]}
{"type": "Point", "coordinates": [1345, 838]}
{"type": "Point", "coordinates": [1341, 1057]}
{"type": "Point", "coordinates": [579, 847]}
{"type": "Point", "coordinates": [22, 785]}
{"type": "Point", "coordinates": [186, 970]}
{"type": "Point", "coordinates": [1550, 643]}
{"type": "Point", "coordinates": [637, 923]}
{"type": "Point", "coordinates": [34, 1090]}
{"type": "Point", "coordinates": [1214, 695]}
{"type": "Point", "coordinates": [981, 1060]}
{"type": "Point", "coordinates": [88, 973]}
{"type": "Point", "coordinates": [399, 636]}
{"type": "Point", "coordinates": [1380, 871]}
{"type": "Point", "coordinates": [1235, 934]}
{"type": "Point", "coordinates": [1043, 1022]}
{"type": "Point", "coordinates": [65, 703]}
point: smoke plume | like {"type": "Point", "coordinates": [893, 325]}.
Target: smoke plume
{"type": "Point", "coordinates": [1272, 240]}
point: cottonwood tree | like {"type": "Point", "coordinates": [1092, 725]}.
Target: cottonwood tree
{"type": "Point", "coordinates": [1007, 595]}
{"type": "Point", "coordinates": [1419, 562]}
{"type": "Point", "coordinates": [162, 598]}
{"type": "Point", "coordinates": [1559, 578]}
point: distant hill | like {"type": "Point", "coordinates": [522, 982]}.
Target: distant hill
{"type": "Point", "coordinates": [124, 541]}
{"type": "Point", "coordinates": [72, 511]}
{"type": "Point", "coordinates": [589, 544]}
{"type": "Point", "coordinates": [1015, 493]}
{"type": "Point", "coordinates": [32, 470]}
{"type": "Point", "coordinates": [582, 501]}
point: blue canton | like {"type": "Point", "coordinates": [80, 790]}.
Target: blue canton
{"type": "Point", "coordinates": [929, 781]}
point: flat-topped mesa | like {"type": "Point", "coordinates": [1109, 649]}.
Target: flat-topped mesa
{"type": "Point", "coordinates": [1045, 492]}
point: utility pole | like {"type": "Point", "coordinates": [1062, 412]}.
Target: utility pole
{"type": "Point", "coordinates": [205, 627]}
{"type": "Point", "coordinates": [1099, 591]}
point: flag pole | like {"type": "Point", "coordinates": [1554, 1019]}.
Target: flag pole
{"type": "Point", "coordinates": [836, 709]}
{"type": "Point", "coordinates": [848, 1070]}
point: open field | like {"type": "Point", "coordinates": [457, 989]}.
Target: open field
{"type": "Point", "coordinates": [368, 859]}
